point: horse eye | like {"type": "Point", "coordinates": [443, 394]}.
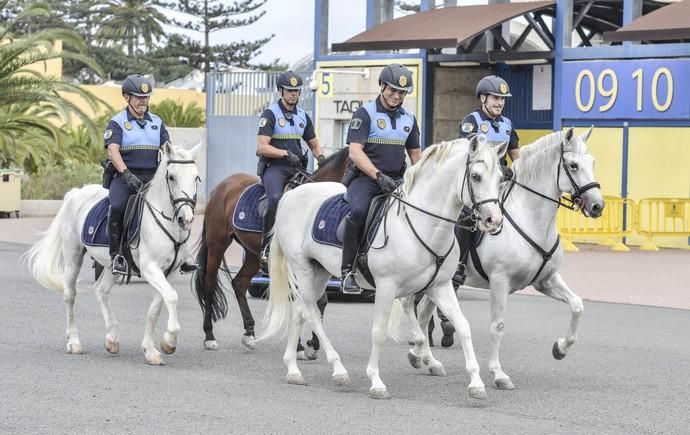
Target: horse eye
{"type": "Point", "coordinates": [476, 178]}
{"type": "Point", "coordinates": [171, 178]}
{"type": "Point", "coordinates": [573, 166]}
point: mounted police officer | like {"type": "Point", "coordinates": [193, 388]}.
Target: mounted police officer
{"type": "Point", "coordinates": [380, 133]}
{"type": "Point", "coordinates": [278, 145]}
{"type": "Point", "coordinates": [133, 138]}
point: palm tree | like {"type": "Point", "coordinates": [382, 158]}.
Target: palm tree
{"type": "Point", "coordinates": [130, 21]}
{"type": "Point", "coordinates": [33, 106]}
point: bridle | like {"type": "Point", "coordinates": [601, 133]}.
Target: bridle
{"type": "Point", "coordinates": [177, 203]}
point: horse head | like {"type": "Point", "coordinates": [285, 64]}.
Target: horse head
{"type": "Point", "coordinates": [182, 180]}
{"type": "Point", "coordinates": [482, 177]}
{"type": "Point", "coordinates": [576, 173]}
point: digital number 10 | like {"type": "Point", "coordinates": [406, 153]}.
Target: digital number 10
{"type": "Point", "coordinates": [611, 92]}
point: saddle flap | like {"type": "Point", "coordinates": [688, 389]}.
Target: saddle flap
{"type": "Point", "coordinates": [247, 216]}
{"type": "Point", "coordinates": [95, 229]}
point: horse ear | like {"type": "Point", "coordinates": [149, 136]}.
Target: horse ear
{"type": "Point", "coordinates": [168, 149]}
{"type": "Point", "coordinates": [569, 134]}
{"type": "Point", "coordinates": [585, 136]}
{"type": "Point", "coordinates": [476, 142]}
{"type": "Point", "coordinates": [501, 149]}
{"type": "Point", "coordinates": [196, 150]}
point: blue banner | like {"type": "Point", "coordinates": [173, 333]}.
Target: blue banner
{"type": "Point", "coordinates": [626, 89]}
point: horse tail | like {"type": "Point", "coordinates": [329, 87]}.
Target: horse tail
{"type": "Point", "coordinates": [281, 291]}
{"type": "Point", "coordinates": [44, 259]}
{"type": "Point", "coordinates": [394, 320]}
{"type": "Point", "coordinates": [212, 300]}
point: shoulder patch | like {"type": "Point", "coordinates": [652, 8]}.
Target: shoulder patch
{"type": "Point", "coordinates": [108, 133]}
{"type": "Point", "coordinates": [356, 123]}
{"type": "Point", "coordinates": [467, 127]}
{"type": "Point", "coordinates": [262, 122]}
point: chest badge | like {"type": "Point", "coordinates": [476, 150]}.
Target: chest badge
{"type": "Point", "coordinates": [281, 122]}
{"type": "Point", "coordinates": [154, 127]}
{"type": "Point", "coordinates": [484, 128]}
{"type": "Point", "coordinates": [381, 123]}
{"type": "Point", "coordinates": [407, 129]}
{"type": "Point", "coordinates": [128, 125]}
{"type": "Point", "coordinates": [301, 125]}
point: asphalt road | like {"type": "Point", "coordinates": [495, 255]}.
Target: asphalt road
{"type": "Point", "coordinates": [627, 374]}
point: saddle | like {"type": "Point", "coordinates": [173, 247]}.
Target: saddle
{"type": "Point", "coordinates": [329, 226]}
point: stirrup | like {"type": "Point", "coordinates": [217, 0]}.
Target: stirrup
{"type": "Point", "coordinates": [348, 285]}
{"type": "Point", "coordinates": [119, 265]}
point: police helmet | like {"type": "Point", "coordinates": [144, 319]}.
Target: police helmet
{"type": "Point", "coordinates": [396, 76]}
{"type": "Point", "coordinates": [493, 85]}
{"type": "Point", "coordinates": [289, 80]}
{"type": "Point", "coordinates": [138, 85]}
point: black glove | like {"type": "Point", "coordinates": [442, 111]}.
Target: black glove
{"type": "Point", "coordinates": [321, 159]}
{"type": "Point", "coordinates": [132, 181]}
{"type": "Point", "coordinates": [507, 173]}
{"type": "Point", "coordinates": [293, 159]}
{"type": "Point", "coordinates": [386, 183]}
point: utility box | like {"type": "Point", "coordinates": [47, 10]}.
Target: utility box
{"type": "Point", "coordinates": [10, 191]}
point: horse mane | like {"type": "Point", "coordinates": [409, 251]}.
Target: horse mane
{"type": "Point", "coordinates": [532, 162]}
{"type": "Point", "coordinates": [432, 155]}
{"type": "Point", "coordinates": [336, 159]}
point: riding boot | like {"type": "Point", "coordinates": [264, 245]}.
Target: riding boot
{"type": "Point", "coordinates": [119, 264]}
{"type": "Point", "coordinates": [351, 239]}
{"type": "Point", "coordinates": [267, 235]}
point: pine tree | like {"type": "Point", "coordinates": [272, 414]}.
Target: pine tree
{"type": "Point", "coordinates": [208, 16]}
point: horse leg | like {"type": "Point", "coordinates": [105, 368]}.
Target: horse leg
{"type": "Point", "coordinates": [240, 284]}
{"type": "Point", "coordinates": [420, 355]}
{"type": "Point", "coordinates": [294, 376]}
{"type": "Point", "coordinates": [211, 298]}
{"type": "Point", "coordinates": [382, 311]}
{"type": "Point", "coordinates": [152, 355]}
{"type": "Point", "coordinates": [157, 279]}
{"type": "Point", "coordinates": [112, 328]}
{"type": "Point", "coordinates": [313, 345]}
{"type": "Point", "coordinates": [499, 299]}
{"type": "Point", "coordinates": [444, 297]}
{"type": "Point", "coordinates": [73, 259]}
{"type": "Point", "coordinates": [313, 315]}
{"type": "Point", "coordinates": [556, 288]}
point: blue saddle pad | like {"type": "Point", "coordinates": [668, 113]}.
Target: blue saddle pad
{"type": "Point", "coordinates": [95, 230]}
{"type": "Point", "coordinates": [325, 226]}
{"type": "Point", "coordinates": [246, 216]}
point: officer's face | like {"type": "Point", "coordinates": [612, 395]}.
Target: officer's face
{"type": "Point", "coordinates": [290, 96]}
{"type": "Point", "coordinates": [392, 97]}
{"type": "Point", "coordinates": [139, 104]}
{"type": "Point", "coordinates": [493, 104]}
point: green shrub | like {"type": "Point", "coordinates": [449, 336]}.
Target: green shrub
{"type": "Point", "coordinates": [175, 114]}
{"type": "Point", "coordinates": [53, 181]}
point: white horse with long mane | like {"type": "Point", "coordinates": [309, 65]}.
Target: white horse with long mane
{"type": "Point", "coordinates": [56, 259]}
{"type": "Point", "coordinates": [414, 251]}
{"type": "Point", "coordinates": [527, 250]}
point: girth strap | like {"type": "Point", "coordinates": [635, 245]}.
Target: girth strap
{"type": "Point", "coordinates": [439, 259]}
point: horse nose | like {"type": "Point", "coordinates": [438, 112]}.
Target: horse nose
{"type": "Point", "coordinates": [597, 209]}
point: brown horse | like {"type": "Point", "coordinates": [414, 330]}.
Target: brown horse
{"type": "Point", "coordinates": [217, 235]}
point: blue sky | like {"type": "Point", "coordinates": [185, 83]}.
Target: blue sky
{"type": "Point", "coordinates": [292, 21]}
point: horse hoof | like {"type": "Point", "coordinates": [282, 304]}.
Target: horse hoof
{"type": "Point", "coordinates": [437, 370]}
{"type": "Point", "coordinates": [414, 360]}
{"type": "Point", "coordinates": [379, 393]}
{"type": "Point", "coordinates": [504, 384]}
{"type": "Point", "coordinates": [155, 360]}
{"type": "Point", "coordinates": [211, 345]}
{"type": "Point", "coordinates": [112, 346]}
{"type": "Point", "coordinates": [74, 348]}
{"type": "Point", "coordinates": [166, 348]}
{"type": "Point", "coordinates": [301, 356]}
{"type": "Point", "coordinates": [311, 353]}
{"type": "Point", "coordinates": [248, 340]}
{"type": "Point", "coordinates": [341, 379]}
{"type": "Point", "coordinates": [556, 352]}
{"type": "Point", "coordinates": [477, 392]}
{"type": "Point", "coordinates": [295, 379]}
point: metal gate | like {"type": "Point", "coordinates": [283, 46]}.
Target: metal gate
{"type": "Point", "coordinates": [234, 103]}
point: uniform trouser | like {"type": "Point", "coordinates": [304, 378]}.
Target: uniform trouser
{"type": "Point", "coordinates": [274, 179]}
{"type": "Point", "coordinates": [118, 194]}
{"type": "Point", "coordinates": [359, 193]}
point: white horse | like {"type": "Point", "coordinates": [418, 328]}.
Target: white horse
{"type": "Point", "coordinates": [527, 251]}
{"type": "Point", "coordinates": [56, 259]}
{"type": "Point", "coordinates": [413, 251]}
